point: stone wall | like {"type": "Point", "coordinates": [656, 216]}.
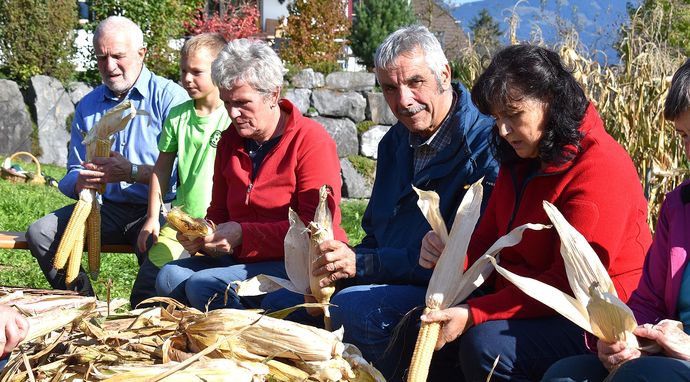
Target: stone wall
{"type": "Point", "coordinates": [338, 101]}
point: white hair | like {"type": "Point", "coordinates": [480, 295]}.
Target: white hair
{"type": "Point", "coordinates": [249, 61]}
{"type": "Point", "coordinates": [407, 39]}
{"type": "Point", "coordinates": [120, 24]}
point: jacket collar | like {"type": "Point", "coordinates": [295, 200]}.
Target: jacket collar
{"type": "Point", "coordinates": [591, 125]}
{"type": "Point", "coordinates": [140, 89]}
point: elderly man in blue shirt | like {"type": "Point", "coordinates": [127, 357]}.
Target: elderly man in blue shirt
{"type": "Point", "coordinates": [119, 46]}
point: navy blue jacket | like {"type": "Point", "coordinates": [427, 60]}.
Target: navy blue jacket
{"type": "Point", "coordinates": [394, 225]}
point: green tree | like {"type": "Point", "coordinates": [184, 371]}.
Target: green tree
{"type": "Point", "coordinates": [376, 19]}
{"type": "Point", "coordinates": [315, 33]}
{"type": "Point", "coordinates": [36, 38]}
{"type": "Point", "coordinates": [486, 32]}
{"type": "Point", "coordinates": [161, 21]}
{"type": "Point", "coordinates": [672, 16]}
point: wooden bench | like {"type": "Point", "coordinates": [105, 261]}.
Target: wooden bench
{"type": "Point", "coordinates": [17, 240]}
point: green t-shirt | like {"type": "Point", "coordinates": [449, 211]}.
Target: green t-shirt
{"type": "Point", "coordinates": [194, 139]}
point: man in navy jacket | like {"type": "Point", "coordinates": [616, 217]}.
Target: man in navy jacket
{"type": "Point", "coordinates": [440, 143]}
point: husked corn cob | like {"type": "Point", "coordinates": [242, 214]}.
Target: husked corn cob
{"type": "Point", "coordinates": [448, 284]}
{"type": "Point", "coordinates": [93, 239]}
{"type": "Point", "coordinates": [321, 230]}
{"type": "Point", "coordinates": [81, 211]}
{"type": "Point", "coordinates": [102, 150]}
{"type": "Point", "coordinates": [74, 263]}
{"type": "Point", "coordinates": [423, 350]}
{"type": "Point", "coordinates": [189, 226]}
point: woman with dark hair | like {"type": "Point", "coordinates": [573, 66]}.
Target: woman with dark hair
{"type": "Point", "coordinates": [664, 289]}
{"type": "Point", "coordinates": [552, 146]}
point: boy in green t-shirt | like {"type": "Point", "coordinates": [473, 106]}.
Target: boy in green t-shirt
{"type": "Point", "coordinates": [190, 133]}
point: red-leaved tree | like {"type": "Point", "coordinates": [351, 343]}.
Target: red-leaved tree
{"type": "Point", "coordinates": [237, 22]}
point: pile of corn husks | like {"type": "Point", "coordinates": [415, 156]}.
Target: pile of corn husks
{"type": "Point", "coordinates": [73, 338]}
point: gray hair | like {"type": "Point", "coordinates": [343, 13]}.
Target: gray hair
{"type": "Point", "coordinates": [249, 61]}
{"type": "Point", "coordinates": [678, 98]}
{"type": "Point", "coordinates": [407, 39]}
{"type": "Point", "coordinates": [120, 24]}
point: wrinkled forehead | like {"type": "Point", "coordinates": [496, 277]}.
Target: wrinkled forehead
{"type": "Point", "coordinates": [113, 42]}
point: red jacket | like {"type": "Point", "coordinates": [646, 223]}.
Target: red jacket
{"type": "Point", "coordinates": [598, 192]}
{"type": "Point", "coordinates": [290, 175]}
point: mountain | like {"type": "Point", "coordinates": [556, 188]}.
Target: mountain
{"type": "Point", "coordinates": [597, 22]}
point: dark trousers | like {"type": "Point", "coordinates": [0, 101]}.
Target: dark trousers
{"type": "Point", "coordinates": [588, 368]}
{"type": "Point", "coordinates": [120, 224]}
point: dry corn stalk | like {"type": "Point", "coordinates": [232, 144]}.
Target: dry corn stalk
{"type": "Point", "coordinates": [301, 254]}
{"type": "Point", "coordinates": [596, 307]}
{"type": "Point", "coordinates": [191, 227]}
{"type": "Point", "coordinates": [70, 249]}
{"type": "Point", "coordinates": [449, 284]}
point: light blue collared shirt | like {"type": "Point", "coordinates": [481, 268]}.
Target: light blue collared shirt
{"type": "Point", "coordinates": [138, 142]}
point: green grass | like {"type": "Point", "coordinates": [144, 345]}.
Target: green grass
{"type": "Point", "coordinates": [21, 204]}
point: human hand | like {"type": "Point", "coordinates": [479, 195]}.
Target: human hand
{"type": "Point", "coordinates": [614, 354]}
{"type": "Point", "coordinates": [115, 168]}
{"type": "Point", "coordinates": [226, 237]}
{"type": "Point", "coordinates": [88, 179]}
{"type": "Point", "coordinates": [13, 328]}
{"type": "Point", "coordinates": [151, 227]}
{"type": "Point", "coordinates": [454, 322]}
{"type": "Point", "coordinates": [192, 246]}
{"type": "Point", "coordinates": [432, 247]}
{"type": "Point", "coordinates": [669, 335]}
{"type": "Point", "coordinates": [337, 261]}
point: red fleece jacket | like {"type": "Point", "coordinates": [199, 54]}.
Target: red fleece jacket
{"type": "Point", "coordinates": [290, 175]}
{"type": "Point", "coordinates": [598, 192]}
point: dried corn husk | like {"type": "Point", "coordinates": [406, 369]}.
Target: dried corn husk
{"type": "Point", "coordinates": [449, 284]}
{"type": "Point", "coordinates": [301, 253]}
{"type": "Point", "coordinates": [218, 370]}
{"type": "Point", "coordinates": [96, 348]}
{"type": "Point", "coordinates": [191, 227]}
{"type": "Point", "coordinates": [250, 332]}
{"type": "Point", "coordinates": [596, 307]}
{"type": "Point", "coordinates": [320, 229]}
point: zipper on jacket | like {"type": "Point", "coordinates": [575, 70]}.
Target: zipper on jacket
{"type": "Point", "coordinates": [519, 192]}
{"type": "Point", "coordinates": [249, 190]}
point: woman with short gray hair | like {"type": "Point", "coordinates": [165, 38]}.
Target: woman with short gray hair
{"type": "Point", "coordinates": [270, 160]}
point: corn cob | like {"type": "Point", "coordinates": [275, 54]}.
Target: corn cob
{"type": "Point", "coordinates": [423, 350]}
{"type": "Point", "coordinates": [74, 262]}
{"type": "Point", "coordinates": [97, 142]}
{"type": "Point", "coordinates": [79, 215]}
{"type": "Point", "coordinates": [252, 333]}
{"type": "Point", "coordinates": [321, 230]}
{"type": "Point", "coordinates": [93, 237]}
{"type": "Point", "coordinates": [595, 307]}
{"type": "Point", "coordinates": [446, 286]}
{"type": "Point", "coordinates": [189, 226]}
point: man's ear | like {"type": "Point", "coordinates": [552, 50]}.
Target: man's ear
{"type": "Point", "coordinates": [446, 77]}
{"type": "Point", "coordinates": [142, 52]}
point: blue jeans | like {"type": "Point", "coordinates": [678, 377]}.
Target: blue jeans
{"type": "Point", "coordinates": [588, 368]}
{"type": "Point", "coordinates": [526, 347]}
{"type": "Point", "coordinates": [202, 281]}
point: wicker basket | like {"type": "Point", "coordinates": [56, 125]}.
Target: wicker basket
{"type": "Point", "coordinates": [9, 174]}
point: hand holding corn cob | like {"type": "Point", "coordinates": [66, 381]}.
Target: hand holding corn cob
{"type": "Point", "coordinates": [188, 226]}
{"type": "Point", "coordinates": [86, 216]}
